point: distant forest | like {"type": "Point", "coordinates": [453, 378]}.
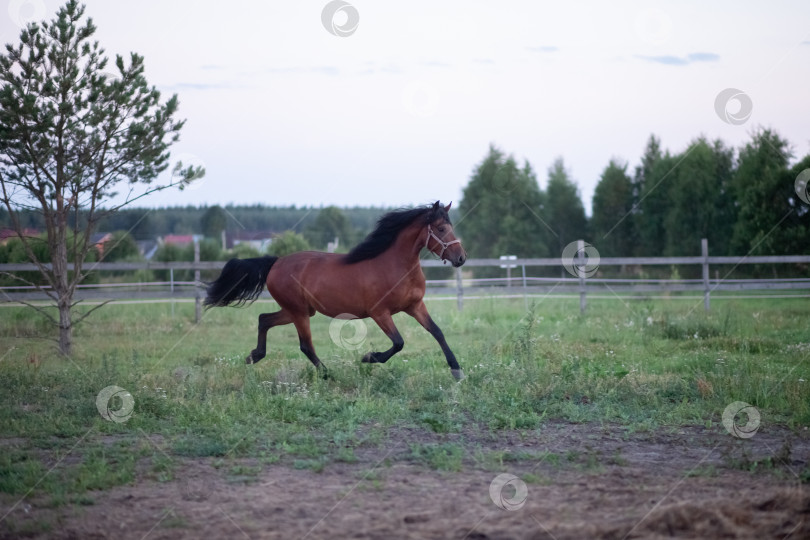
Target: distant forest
{"type": "Point", "coordinates": [149, 223]}
{"type": "Point", "coordinates": [743, 200]}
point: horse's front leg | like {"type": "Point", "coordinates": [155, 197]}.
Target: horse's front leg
{"type": "Point", "coordinates": [420, 313]}
{"type": "Point", "coordinates": [386, 323]}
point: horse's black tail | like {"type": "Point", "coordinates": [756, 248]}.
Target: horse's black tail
{"type": "Point", "coordinates": [241, 280]}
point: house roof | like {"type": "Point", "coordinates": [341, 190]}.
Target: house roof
{"type": "Point", "coordinates": [100, 238]}
{"type": "Point", "coordinates": [178, 239]}
{"type": "Point", "coordinates": [6, 233]}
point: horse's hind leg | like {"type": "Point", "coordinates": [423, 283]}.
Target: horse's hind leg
{"type": "Point", "coordinates": [305, 340]}
{"type": "Point", "coordinates": [266, 322]}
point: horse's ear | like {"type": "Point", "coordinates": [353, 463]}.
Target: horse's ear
{"type": "Point", "coordinates": [447, 208]}
{"type": "Point", "coordinates": [436, 205]}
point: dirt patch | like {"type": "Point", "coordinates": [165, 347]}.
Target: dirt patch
{"type": "Point", "coordinates": [603, 483]}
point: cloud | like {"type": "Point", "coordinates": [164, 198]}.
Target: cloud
{"type": "Point", "coordinates": [198, 86]}
{"type": "Point", "coordinates": [543, 49]}
{"type": "Point", "coordinates": [488, 61]}
{"type": "Point", "coordinates": [691, 58]}
{"type": "Point", "coordinates": [436, 64]}
{"type": "Point", "coordinates": [703, 57]}
{"type": "Point", "coordinates": [666, 60]}
{"type": "Point", "coordinates": [323, 70]}
{"type": "Point", "coordinates": [326, 70]}
{"type": "Point", "coordinates": [372, 69]}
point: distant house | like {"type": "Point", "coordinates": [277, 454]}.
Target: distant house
{"type": "Point", "coordinates": [8, 234]}
{"type": "Point", "coordinates": [260, 240]}
{"type": "Point", "coordinates": [147, 248]}
{"type": "Point", "coordinates": [180, 240]}
{"type": "Point", "coordinates": [99, 240]}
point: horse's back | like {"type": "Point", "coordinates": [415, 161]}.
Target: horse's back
{"type": "Point", "coordinates": [325, 282]}
{"type": "Point", "coordinates": [309, 281]}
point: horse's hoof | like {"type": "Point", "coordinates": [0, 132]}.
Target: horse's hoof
{"type": "Point", "coordinates": [369, 358]}
{"type": "Point", "coordinates": [249, 359]}
{"type": "Point", "coordinates": [458, 374]}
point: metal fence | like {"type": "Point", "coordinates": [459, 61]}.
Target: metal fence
{"type": "Point", "coordinates": [462, 286]}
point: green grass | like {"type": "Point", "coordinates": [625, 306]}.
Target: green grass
{"type": "Point", "coordinates": [644, 366]}
{"type": "Point", "coordinates": [441, 457]}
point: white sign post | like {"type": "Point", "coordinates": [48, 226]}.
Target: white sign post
{"type": "Point", "coordinates": [508, 267]}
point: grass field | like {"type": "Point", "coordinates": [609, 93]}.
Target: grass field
{"type": "Point", "coordinates": [644, 367]}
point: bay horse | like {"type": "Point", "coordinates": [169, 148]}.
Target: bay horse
{"type": "Point", "coordinates": [379, 277]}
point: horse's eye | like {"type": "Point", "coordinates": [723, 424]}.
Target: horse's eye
{"type": "Point", "coordinates": [442, 229]}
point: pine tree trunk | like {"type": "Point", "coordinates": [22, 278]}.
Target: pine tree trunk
{"type": "Point", "coordinates": [65, 326]}
{"type": "Point", "coordinates": [59, 259]}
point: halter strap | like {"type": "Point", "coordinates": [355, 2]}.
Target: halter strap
{"type": "Point", "coordinates": [442, 243]}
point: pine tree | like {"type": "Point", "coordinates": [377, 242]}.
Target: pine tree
{"type": "Point", "coordinates": [650, 187]}
{"type": "Point", "coordinates": [70, 134]}
{"type": "Point", "coordinates": [613, 222]}
{"type": "Point", "coordinates": [564, 208]}
{"type": "Point", "coordinates": [772, 220]}
{"type": "Point", "coordinates": [699, 205]}
{"type": "Point", "coordinates": [502, 210]}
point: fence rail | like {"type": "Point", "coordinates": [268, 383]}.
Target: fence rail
{"type": "Point", "coordinates": [606, 261]}
{"type": "Point", "coordinates": [460, 287]}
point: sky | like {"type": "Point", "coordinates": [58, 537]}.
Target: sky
{"type": "Point", "coordinates": [312, 103]}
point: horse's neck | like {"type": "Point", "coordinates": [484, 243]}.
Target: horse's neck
{"type": "Point", "coordinates": [407, 246]}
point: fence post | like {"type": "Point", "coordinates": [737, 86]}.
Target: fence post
{"type": "Point", "coordinates": [525, 300]}
{"type": "Point", "coordinates": [704, 251]}
{"type": "Point", "coordinates": [581, 272]}
{"type": "Point", "coordinates": [197, 306]}
{"type": "Point", "coordinates": [171, 287]}
{"type": "Point", "coordinates": [459, 289]}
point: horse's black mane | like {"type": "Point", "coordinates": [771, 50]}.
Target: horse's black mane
{"type": "Point", "coordinates": [389, 226]}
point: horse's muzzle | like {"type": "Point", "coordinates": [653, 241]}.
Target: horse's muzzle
{"type": "Point", "coordinates": [458, 261]}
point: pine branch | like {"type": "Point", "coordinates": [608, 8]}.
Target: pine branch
{"type": "Point", "coordinates": [83, 316]}
{"type": "Point", "coordinates": [35, 307]}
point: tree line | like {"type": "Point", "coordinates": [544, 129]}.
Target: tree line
{"type": "Point", "coordinates": [742, 200]}
{"type": "Point", "coordinates": [149, 223]}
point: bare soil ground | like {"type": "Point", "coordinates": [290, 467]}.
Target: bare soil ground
{"type": "Point", "coordinates": [606, 483]}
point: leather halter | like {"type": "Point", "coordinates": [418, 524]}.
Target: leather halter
{"type": "Point", "coordinates": [442, 243]}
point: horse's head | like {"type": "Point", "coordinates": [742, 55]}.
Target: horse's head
{"type": "Point", "coordinates": [440, 238]}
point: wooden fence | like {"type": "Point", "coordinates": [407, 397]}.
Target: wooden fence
{"type": "Point", "coordinates": [569, 284]}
